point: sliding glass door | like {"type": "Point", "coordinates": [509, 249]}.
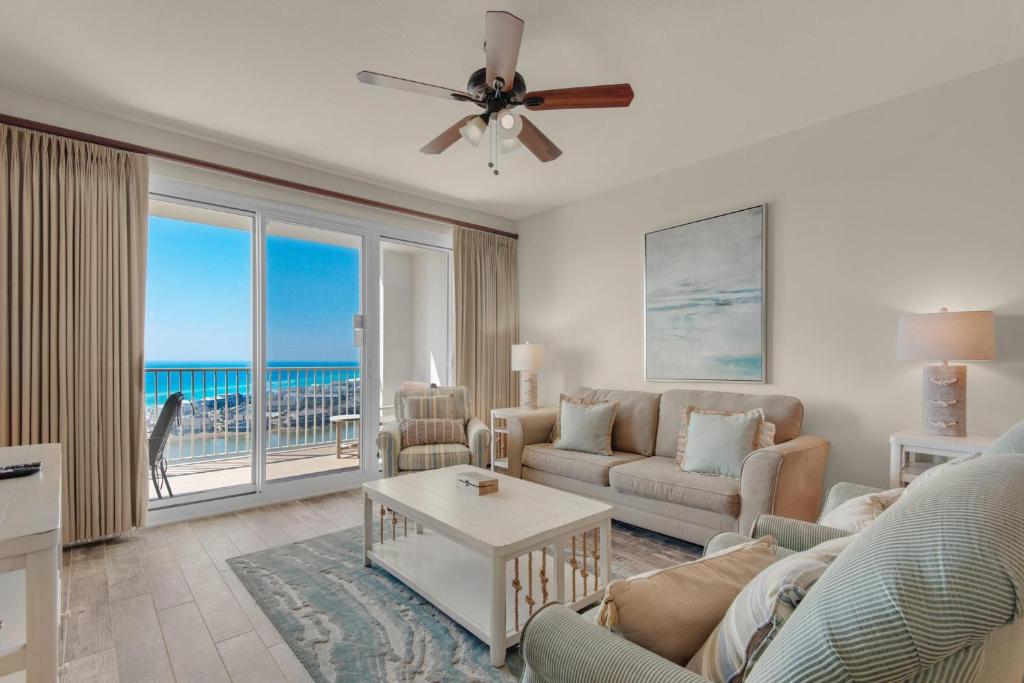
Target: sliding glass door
{"type": "Point", "coordinates": [198, 352]}
{"type": "Point", "coordinates": [313, 356]}
{"type": "Point", "coordinates": [270, 362]}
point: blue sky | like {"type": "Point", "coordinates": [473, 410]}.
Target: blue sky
{"type": "Point", "coordinates": [198, 297]}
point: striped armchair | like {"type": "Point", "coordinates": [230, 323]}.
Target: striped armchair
{"type": "Point", "coordinates": [930, 592]}
{"type": "Point", "coordinates": [396, 460]}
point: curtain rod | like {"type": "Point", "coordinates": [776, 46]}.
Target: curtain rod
{"type": "Point", "coordinates": [251, 175]}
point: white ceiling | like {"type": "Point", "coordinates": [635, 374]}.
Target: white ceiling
{"type": "Point", "coordinates": [710, 76]}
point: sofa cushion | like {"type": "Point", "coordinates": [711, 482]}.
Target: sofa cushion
{"type": "Point", "coordinates": [582, 466]}
{"type": "Point", "coordinates": [661, 479]}
{"type": "Point", "coordinates": [636, 423]}
{"type": "Point", "coordinates": [433, 456]}
{"type": "Point", "coordinates": [785, 412]}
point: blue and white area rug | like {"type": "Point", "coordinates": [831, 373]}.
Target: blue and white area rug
{"type": "Point", "coordinates": [346, 622]}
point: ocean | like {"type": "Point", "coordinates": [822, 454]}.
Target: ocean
{"type": "Point", "coordinates": [207, 379]}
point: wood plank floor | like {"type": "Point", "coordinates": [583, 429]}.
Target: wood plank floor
{"type": "Point", "coordinates": [162, 605]}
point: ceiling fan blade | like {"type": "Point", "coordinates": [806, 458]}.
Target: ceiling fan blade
{"type": "Point", "coordinates": [446, 139]}
{"type": "Point", "coordinates": [586, 97]}
{"type": "Point", "coordinates": [373, 78]}
{"type": "Point", "coordinates": [504, 35]}
{"type": "Point", "coordinates": [537, 142]}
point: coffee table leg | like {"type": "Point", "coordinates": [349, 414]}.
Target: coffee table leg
{"type": "Point", "coordinates": [606, 551]}
{"type": "Point", "coordinates": [367, 529]}
{"type": "Point", "coordinates": [498, 644]}
{"type": "Point", "coordinates": [559, 562]}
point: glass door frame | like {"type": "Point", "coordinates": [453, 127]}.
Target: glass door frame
{"type": "Point", "coordinates": [371, 232]}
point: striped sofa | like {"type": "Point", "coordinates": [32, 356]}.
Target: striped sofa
{"type": "Point", "coordinates": [396, 460]}
{"type": "Point", "coordinates": [932, 591]}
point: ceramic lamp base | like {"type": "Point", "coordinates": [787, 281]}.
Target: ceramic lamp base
{"type": "Point", "coordinates": [945, 400]}
{"type": "Point", "coordinates": [527, 389]}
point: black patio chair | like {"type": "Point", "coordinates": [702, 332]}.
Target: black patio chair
{"type": "Point", "coordinates": [171, 411]}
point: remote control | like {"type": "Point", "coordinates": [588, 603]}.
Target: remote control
{"type": "Point", "coordinates": [12, 471]}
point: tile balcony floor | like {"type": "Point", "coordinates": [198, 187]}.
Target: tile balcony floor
{"type": "Point", "coordinates": [294, 462]}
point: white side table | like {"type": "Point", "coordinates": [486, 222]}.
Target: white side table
{"type": "Point", "coordinates": [905, 446]}
{"type": "Point", "coordinates": [499, 433]}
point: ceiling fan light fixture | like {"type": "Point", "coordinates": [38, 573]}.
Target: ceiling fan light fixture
{"type": "Point", "coordinates": [473, 131]}
{"type": "Point", "coordinates": [509, 124]}
{"type": "Point", "coordinates": [510, 145]}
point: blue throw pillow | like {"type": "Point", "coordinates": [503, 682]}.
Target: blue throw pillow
{"type": "Point", "coordinates": [586, 428]}
{"type": "Point", "coordinates": [718, 444]}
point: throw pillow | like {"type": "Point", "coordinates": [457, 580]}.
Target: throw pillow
{"type": "Point", "coordinates": [857, 513]}
{"type": "Point", "coordinates": [759, 611]}
{"type": "Point", "coordinates": [428, 431]}
{"type": "Point", "coordinates": [718, 444]}
{"type": "Point", "coordinates": [421, 407]}
{"type": "Point", "coordinates": [765, 433]}
{"type": "Point", "coordinates": [587, 428]}
{"type": "Point", "coordinates": [562, 398]}
{"type": "Point", "coordinates": [672, 611]}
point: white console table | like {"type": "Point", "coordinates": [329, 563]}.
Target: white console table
{"type": "Point", "coordinates": [30, 559]}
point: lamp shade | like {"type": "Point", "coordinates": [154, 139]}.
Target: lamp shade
{"type": "Point", "coordinates": [960, 335]}
{"type": "Point", "coordinates": [527, 357]}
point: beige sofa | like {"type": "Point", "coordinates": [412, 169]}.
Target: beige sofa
{"type": "Point", "coordinates": [647, 488]}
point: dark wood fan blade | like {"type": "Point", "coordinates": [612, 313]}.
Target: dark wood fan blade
{"type": "Point", "coordinates": [446, 139]}
{"type": "Point", "coordinates": [373, 78]}
{"type": "Point", "coordinates": [504, 35]}
{"type": "Point", "coordinates": [537, 142]}
{"type": "Point", "coordinates": [586, 97]}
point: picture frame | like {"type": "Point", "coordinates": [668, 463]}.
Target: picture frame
{"type": "Point", "coordinates": [705, 299]}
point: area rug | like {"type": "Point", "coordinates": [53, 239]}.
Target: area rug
{"type": "Point", "coordinates": [347, 622]}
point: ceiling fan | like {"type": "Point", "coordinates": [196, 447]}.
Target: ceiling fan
{"type": "Point", "coordinates": [498, 89]}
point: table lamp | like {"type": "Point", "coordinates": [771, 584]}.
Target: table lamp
{"type": "Point", "coordinates": [946, 336]}
{"type": "Point", "coordinates": [527, 359]}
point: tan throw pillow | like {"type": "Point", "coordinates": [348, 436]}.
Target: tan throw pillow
{"type": "Point", "coordinates": [765, 433]}
{"type": "Point", "coordinates": [422, 407]}
{"type": "Point", "coordinates": [672, 611]}
{"type": "Point", "coordinates": [429, 431]}
{"type": "Point", "coordinates": [759, 611]}
{"type": "Point", "coordinates": [556, 431]}
{"type": "Point", "coordinates": [857, 513]}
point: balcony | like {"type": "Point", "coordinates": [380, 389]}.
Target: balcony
{"type": "Point", "coordinates": [312, 416]}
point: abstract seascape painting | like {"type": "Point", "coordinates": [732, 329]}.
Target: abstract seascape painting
{"type": "Point", "coordinates": [704, 298]}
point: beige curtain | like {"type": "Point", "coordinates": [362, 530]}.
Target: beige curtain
{"type": "Point", "coordinates": [73, 227]}
{"type": "Point", "coordinates": [486, 318]}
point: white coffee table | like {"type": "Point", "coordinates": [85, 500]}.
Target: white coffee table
{"type": "Point", "coordinates": [488, 561]}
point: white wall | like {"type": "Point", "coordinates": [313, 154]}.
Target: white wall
{"type": "Point", "coordinates": [398, 328]}
{"type": "Point", "coordinates": [908, 206]}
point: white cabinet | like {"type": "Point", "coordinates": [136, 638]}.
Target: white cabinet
{"type": "Point", "coordinates": [30, 553]}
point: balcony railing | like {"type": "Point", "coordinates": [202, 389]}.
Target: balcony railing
{"type": "Point", "coordinates": [216, 418]}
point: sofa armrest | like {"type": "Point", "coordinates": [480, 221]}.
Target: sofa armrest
{"type": "Point", "coordinates": [794, 534]}
{"type": "Point", "coordinates": [532, 427]}
{"type": "Point", "coordinates": [389, 442]}
{"type": "Point", "coordinates": [842, 492]}
{"type": "Point", "coordinates": [479, 437]}
{"type": "Point", "coordinates": [784, 479]}
{"type": "Point", "coordinates": [560, 646]}
{"type": "Point", "coordinates": [723, 540]}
